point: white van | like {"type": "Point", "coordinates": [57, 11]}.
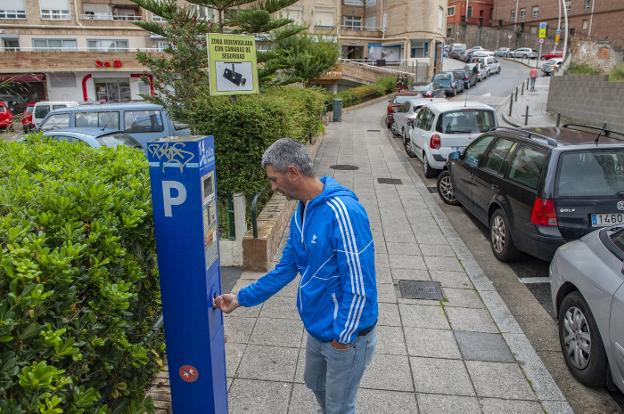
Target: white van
{"type": "Point", "coordinates": [41, 109]}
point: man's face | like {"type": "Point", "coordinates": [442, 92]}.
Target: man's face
{"type": "Point", "coordinates": [285, 183]}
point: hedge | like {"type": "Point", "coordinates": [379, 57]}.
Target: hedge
{"type": "Point", "coordinates": [78, 280]}
{"type": "Point", "coordinates": [364, 93]}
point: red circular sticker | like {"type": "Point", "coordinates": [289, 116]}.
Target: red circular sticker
{"type": "Point", "coordinates": [188, 373]}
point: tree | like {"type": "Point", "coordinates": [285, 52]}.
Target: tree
{"type": "Point", "coordinates": [182, 69]}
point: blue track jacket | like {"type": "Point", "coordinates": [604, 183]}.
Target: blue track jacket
{"type": "Point", "coordinates": [331, 246]}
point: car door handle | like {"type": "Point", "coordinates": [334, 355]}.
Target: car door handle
{"type": "Point", "coordinates": [495, 187]}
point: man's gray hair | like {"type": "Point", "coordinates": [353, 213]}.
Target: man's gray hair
{"type": "Point", "coordinates": [285, 152]}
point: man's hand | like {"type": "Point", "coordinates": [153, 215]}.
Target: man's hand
{"type": "Point", "coordinates": [226, 302]}
{"type": "Point", "coordinates": [338, 345]}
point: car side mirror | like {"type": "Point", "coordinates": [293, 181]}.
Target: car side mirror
{"type": "Point", "coordinates": [454, 156]}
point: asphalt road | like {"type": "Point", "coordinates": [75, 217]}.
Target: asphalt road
{"type": "Point", "coordinates": [524, 284]}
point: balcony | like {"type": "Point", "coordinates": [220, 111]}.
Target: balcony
{"type": "Point", "coordinates": [109, 17]}
{"type": "Point", "coordinates": [324, 29]}
{"type": "Point", "coordinates": [360, 31]}
{"type": "Point", "coordinates": [28, 60]}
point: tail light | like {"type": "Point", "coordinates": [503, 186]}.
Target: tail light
{"type": "Point", "coordinates": [428, 94]}
{"type": "Point", "coordinates": [466, 78]}
{"type": "Point", "coordinates": [435, 142]}
{"type": "Point", "coordinates": [543, 212]}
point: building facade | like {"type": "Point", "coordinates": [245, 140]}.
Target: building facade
{"type": "Point", "coordinates": [595, 19]}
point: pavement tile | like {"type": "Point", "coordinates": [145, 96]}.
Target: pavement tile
{"type": "Point", "coordinates": [243, 312]}
{"type": "Point", "coordinates": [497, 406]}
{"type": "Point", "coordinates": [252, 396]}
{"type": "Point", "coordinates": [386, 293]}
{"type": "Point", "coordinates": [233, 355]}
{"type": "Point", "coordinates": [437, 250]}
{"type": "Point", "coordinates": [389, 314]}
{"type": "Point", "coordinates": [479, 346]}
{"type": "Point", "coordinates": [427, 236]}
{"type": "Point", "coordinates": [399, 235]}
{"type": "Point", "coordinates": [443, 263]}
{"type": "Point", "coordinates": [410, 274]}
{"type": "Point", "coordinates": [280, 308]}
{"type": "Point", "coordinates": [422, 316]}
{"type": "Point", "coordinates": [390, 340]}
{"type": "Point", "coordinates": [268, 363]}
{"type": "Point", "coordinates": [302, 401]}
{"type": "Point", "coordinates": [499, 380]}
{"type": "Point", "coordinates": [383, 275]}
{"type": "Point", "coordinates": [451, 279]}
{"type": "Point", "coordinates": [500, 312]}
{"type": "Point", "coordinates": [467, 319]}
{"type": "Point", "coordinates": [238, 330]}
{"type": "Point", "coordinates": [402, 249]}
{"type": "Point", "coordinates": [385, 402]}
{"type": "Point", "coordinates": [407, 262]}
{"type": "Point", "coordinates": [300, 366]}
{"type": "Point", "coordinates": [464, 298]}
{"type": "Point", "coordinates": [432, 343]}
{"type": "Point", "coordinates": [388, 372]}
{"type": "Point", "coordinates": [448, 404]}
{"type": "Point", "coordinates": [280, 332]}
{"type": "Point", "coordinates": [381, 260]}
{"type": "Point", "coordinates": [441, 376]}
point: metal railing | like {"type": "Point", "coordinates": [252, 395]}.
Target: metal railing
{"type": "Point", "coordinates": [81, 49]}
{"type": "Point", "coordinates": [370, 64]}
{"type": "Point", "coordinates": [361, 28]}
{"type": "Point", "coordinates": [108, 17]}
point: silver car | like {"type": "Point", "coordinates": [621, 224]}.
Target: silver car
{"type": "Point", "coordinates": [587, 287]}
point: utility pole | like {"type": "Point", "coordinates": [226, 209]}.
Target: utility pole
{"type": "Point", "coordinates": [515, 23]}
{"type": "Point", "coordinates": [558, 32]}
{"type": "Point", "coordinates": [565, 20]}
{"type": "Point", "coordinates": [591, 17]}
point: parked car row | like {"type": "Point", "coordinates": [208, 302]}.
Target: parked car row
{"type": "Point", "coordinates": [556, 194]}
{"type": "Point", "coordinates": [460, 52]}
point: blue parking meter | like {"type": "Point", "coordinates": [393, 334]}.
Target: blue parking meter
{"type": "Point", "coordinates": [184, 198]}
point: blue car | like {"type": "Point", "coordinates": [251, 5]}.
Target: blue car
{"type": "Point", "coordinates": [94, 137]}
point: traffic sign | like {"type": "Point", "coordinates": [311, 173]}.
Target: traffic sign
{"type": "Point", "coordinates": [542, 30]}
{"type": "Point", "coordinates": [232, 64]}
{"type": "Point", "coordinates": [541, 41]}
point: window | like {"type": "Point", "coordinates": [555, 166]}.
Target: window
{"type": "Point", "coordinates": [568, 5]}
{"type": "Point", "coordinates": [585, 24]}
{"type": "Point", "coordinates": [42, 111]}
{"type": "Point", "coordinates": [495, 159]}
{"type": "Point", "coordinates": [588, 4]}
{"type": "Point", "coordinates": [535, 11]}
{"type": "Point", "coordinates": [56, 121]}
{"type": "Point", "coordinates": [54, 44]}
{"type": "Point", "coordinates": [64, 138]}
{"type": "Point", "coordinates": [371, 3]}
{"type": "Point", "coordinates": [469, 11]}
{"type": "Point", "coordinates": [522, 14]}
{"type": "Point", "coordinates": [419, 49]}
{"type": "Point", "coordinates": [12, 9]}
{"type": "Point", "coordinates": [405, 107]}
{"type": "Point", "coordinates": [425, 119]}
{"type": "Point", "coordinates": [54, 9]}
{"type": "Point", "coordinates": [324, 18]}
{"type": "Point", "coordinates": [475, 151]}
{"type": "Point", "coordinates": [113, 140]}
{"type": "Point", "coordinates": [513, 14]}
{"type": "Point", "coordinates": [143, 121]}
{"type": "Point", "coordinates": [158, 19]}
{"type": "Point", "coordinates": [526, 167]}
{"type": "Point", "coordinates": [55, 14]}
{"type": "Point", "coordinates": [354, 2]}
{"type": "Point", "coordinates": [618, 239]}
{"type": "Point", "coordinates": [370, 23]}
{"type": "Point", "coordinates": [466, 121]}
{"type": "Point", "coordinates": [353, 22]}
{"type": "Point", "coordinates": [62, 80]}
{"type": "Point", "coordinates": [451, 11]}
{"type": "Point", "coordinates": [202, 12]}
{"type": "Point", "coordinates": [97, 120]}
{"type": "Point", "coordinates": [591, 173]}
{"type": "Point", "coordinates": [440, 17]}
{"type": "Point", "coordinates": [107, 45]}
{"type": "Point", "coordinates": [11, 45]}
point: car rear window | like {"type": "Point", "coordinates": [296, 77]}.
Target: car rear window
{"type": "Point", "coordinates": [618, 239]}
{"type": "Point", "coordinates": [57, 121]}
{"type": "Point", "coordinates": [112, 140]}
{"type": "Point", "coordinates": [466, 121]}
{"type": "Point", "coordinates": [591, 173]}
{"type": "Point", "coordinates": [42, 111]}
{"type": "Point", "coordinates": [401, 99]}
{"type": "Point", "coordinates": [143, 121]}
{"type": "Point", "coordinates": [97, 120]}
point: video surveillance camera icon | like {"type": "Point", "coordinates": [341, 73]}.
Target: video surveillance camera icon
{"type": "Point", "coordinates": [234, 77]}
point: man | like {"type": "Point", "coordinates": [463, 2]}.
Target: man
{"type": "Point", "coordinates": [331, 246]}
{"type": "Point", "coordinates": [532, 77]}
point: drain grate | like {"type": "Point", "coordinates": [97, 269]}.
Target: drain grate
{"type": "Point", "coordinates": [344, 167]}
{"type": "Point", "coordinates": [421, 289]}
{"type": "Point", "coordinates": [373, 130]}
{"type": "Point", "coordinates": [432, 190]}
{"type": "Point", "coordinates": [395, 181]}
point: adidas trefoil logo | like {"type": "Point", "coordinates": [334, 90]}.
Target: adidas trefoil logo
{"type": "Point", "coordinates": [313, 239]}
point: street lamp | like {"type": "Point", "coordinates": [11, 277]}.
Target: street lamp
{"type": "Point", "coordinates": [565, 20]}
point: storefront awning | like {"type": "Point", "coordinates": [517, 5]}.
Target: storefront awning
{"type": "Point", "coordinates": [30, 77]}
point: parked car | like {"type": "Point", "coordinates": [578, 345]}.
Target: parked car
{"type": "Point", "coordinates": [404, 118]}
{"type": "Point", "coordinates": [429, 90]}
{"type": "Point", "coordinates": [551, 66]}
{"type": "Point", "coordinates": [553, 55]}
{"type": "Point", "coordinates": [42, 109]}
{"type": "Point", "coordinates": [482, 53]}
{"type": "Point", "coordinates": [491, 64]}
{"type": "Point", "coordinates": [27, 118]}
{"type": "Point", "coordinates": [15, 102]}
{"type": "Point", "coordinates": [449, 82]}
{"type": "Point", "coordinates": [524, 53]}
{"type": "Point", "coordinates": [456, 49]}
{"type": "Point", "coordinates": [470, 51]}
{"type": "Point", "coordinates": [538, 188]}
{"type": "Point", "coordinates": [6, 116]}
{"type": "Point", "coordinates": [93, 137]}
{"type": "Point", "coordinates": [586, 285]}
{"type": "Point", "coordinates": [478, 69]}
{"type": "Point", "coordinates": [502, 52]}
{"type": "Point", "coordinates": [143, 121]}
{"type": "Point", "coordinates": [444, 127]}
{"type": "Point", "coordinates": [470, 78]}
{"type": "Point", "coordinates": [395, 103]}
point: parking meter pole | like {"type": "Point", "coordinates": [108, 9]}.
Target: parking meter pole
{"type": "Point", "coordinates": [184, 199]}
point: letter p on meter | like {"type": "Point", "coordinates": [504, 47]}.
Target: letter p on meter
{"type": "Point", "coordinates": [169, 199]}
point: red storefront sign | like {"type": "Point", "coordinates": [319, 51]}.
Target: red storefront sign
{"type": "Point", "coordinates": [107, 64]}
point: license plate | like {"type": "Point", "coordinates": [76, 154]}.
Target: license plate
{"type": "Point", "coordinates": [600, 220]}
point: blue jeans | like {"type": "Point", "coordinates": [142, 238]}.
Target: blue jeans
{"type": "Point", "coordinates": [532, 86]}
{"type": "Point", "coordinates": [334, 375]}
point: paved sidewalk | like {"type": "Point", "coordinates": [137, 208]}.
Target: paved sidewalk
{"type": "Point", "coordinates": [466, 354]}
{"type": "Point", "coordinates": [536, 101]}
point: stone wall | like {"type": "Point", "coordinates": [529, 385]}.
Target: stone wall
{"type": "Point", "coordinates": [591, 100]}
{"type": "Point", "coordinates": [600, 54]}
{"type": "Point", "coordinates": [492, 38]}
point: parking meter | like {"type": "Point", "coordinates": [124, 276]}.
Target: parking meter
{"type": "Point", "coordinates": [184, 198]}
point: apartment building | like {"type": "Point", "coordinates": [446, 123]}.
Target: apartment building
{"type": "Point", "coordinates": [471, 12]}
{"type": "Point", "coordinates": [595, 19]}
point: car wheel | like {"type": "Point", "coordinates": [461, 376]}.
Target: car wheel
{"type": "Point", "coordinates": [581, 343]}
{"type": "Point", "coordinates": [500, 237]}
{"type": "Point", "coordinates": [445, 189]}
{"type": "Point", "coordinates": [429, 172]}
{"type": "Point", "coordinates": [525, 56]}
{"type": "Point", "coordinates": [408, 149]}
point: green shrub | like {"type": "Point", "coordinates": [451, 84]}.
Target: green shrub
{"type": "Point", "coordinates": [359, 94]}
{"type": "Point", "coordinates": [617, 74]}
{"type": "Point", "coordinates": [583, 69]}
{"type": "Point", "coordinates": [78, 279]}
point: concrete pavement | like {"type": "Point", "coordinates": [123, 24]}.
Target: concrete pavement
{"type": "Point", "coordinates": [465, 353]}
{"type": "Point", "coordinates": [535, 101]}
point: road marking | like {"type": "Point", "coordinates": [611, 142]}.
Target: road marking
{"type": "Point", "coordinates": [534, 280]}
{"type": "Point", "coordinates": [487, 94]}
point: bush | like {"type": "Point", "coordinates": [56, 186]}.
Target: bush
{"type": "Point", "coordinates": [617, 74]}
{"type": "Point", "coordinates": [78, 279]}
{"type": "Point", "coordinates": [244, 127]}
{"type": "Point", "coordinates": [364, 93]}
{"type": "Point", "coordinates": [583, 69]}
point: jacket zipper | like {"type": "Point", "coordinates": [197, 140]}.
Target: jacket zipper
{"type": "Point", "coordinates": [335, 300]}
{"type": "Point", "coordinates": [305, 210]}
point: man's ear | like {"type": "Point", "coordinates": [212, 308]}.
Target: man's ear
{"type": "Point", "coordinates": [293, 172]}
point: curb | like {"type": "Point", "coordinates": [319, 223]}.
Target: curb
{"type": "Point", "coordinates": [520, 61]}
{"type": "Point", "coordinates": [364, 104]}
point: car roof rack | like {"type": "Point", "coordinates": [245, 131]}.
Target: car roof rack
{"type": "Point", "coordinates": [530, 134]}
{"type": "Point", "coordinates": [601, 131]}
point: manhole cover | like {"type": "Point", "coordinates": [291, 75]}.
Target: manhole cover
{"type": "Point", "coordinates": [421, 289]}
{"type": "Point", "coordinates": [389, 181]}
{"type": "Point", "coordinates": [432, 190]}
{"type": "Point", "coordinates": [345, 167]}
{"type": "Point", "coordinates": [373, 130]}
